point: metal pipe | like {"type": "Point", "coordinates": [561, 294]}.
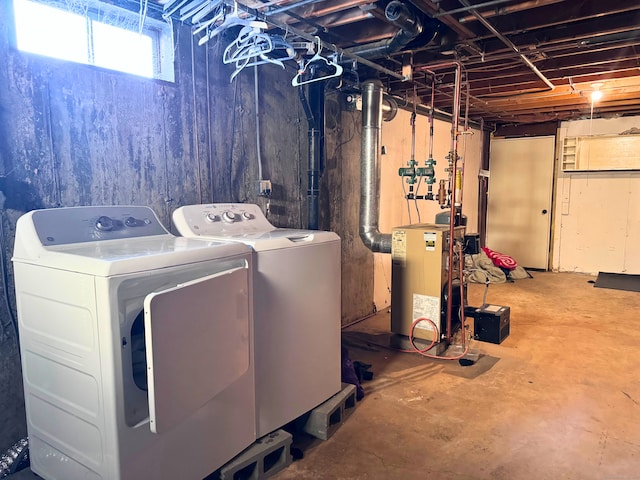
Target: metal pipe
{"type": "Point", "coordinates": [289, 7]}
{"type": "Point", "coordinates": [466, 132]}
{"type": "Point", "coordinates": [462, 299]}
{"type": "Point", "coordinates": [431, 108]}
{"type": "Point", "coordinates": [257, 111]}
{"type": "Point", "coordinates": [456, 97]}
{"type": "Point", "coordinates": [404, 104]}
{"type": "Point", "coordinates": [508, 43]}
{"type": "Point", "coordinates": [430, 162]}
{"type": "Point", "coordinates": [314, 125]}
{"type": "Point", "coordinates": [453, 163]}
{"type": "Point", "coordinates": [389, 107]}
{"type": "Point", "coordinates": [316, 153]}
{"type": "Point", "coordinates": [370, 168]}
{"type": "Point", "coordinates": [327, 8]}
{"type": "Point", "coordinates": [314, 38]}
{"type": "Point", "coordinates": [414, 114]}
{"type": "Point", "coordinates": [507, 9]}
{"type": "Point", "coordinates": [410, 27]}
{"type": "Point", "coordinates": [470, 7]}
{"type": "Point", "coordinates": [400, 15]}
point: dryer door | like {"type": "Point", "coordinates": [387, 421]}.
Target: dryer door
{"type": "Point", "coordinates": [197, 344]}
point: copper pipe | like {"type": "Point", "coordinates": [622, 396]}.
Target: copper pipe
{"type": "Point", "coordinates": [453, 163]}
{"type": "Point", "coordinates": [464, 147]}
{"type": "Point", "coordinates": [461, 280]}
{"type": "Point", "coordinates": [431, 108]}
{"type": "Point", "coordinates": [413, 124]}
{"type": "Point", "coordinates": [461, 257]}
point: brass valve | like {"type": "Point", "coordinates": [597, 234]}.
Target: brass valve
{"type": "Point", "coordinates": [442, 193]}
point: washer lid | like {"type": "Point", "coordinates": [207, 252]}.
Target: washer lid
{"type": "Point", "coordinates": [115, 257]}
{"type": "Point", "coordinates": [242, 223]}
{"type": "Point", "coordinates": [279, 238]}
{"type": "Point", "coordinates": [78, 239]}
{"type": "Point", "coordinates": [194, 350]}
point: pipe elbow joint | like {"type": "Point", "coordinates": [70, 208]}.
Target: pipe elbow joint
{"type": "Point", "coordinates": [399, 14]}
{"type": "Point", "coordinates": [376, 241]}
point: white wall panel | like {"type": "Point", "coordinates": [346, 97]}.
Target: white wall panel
{"type": "Point", "coordinates": [597, 214]}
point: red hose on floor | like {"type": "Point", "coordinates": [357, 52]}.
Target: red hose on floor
{"type": "Point", "coordinates": [433, 342]}
{"type": "Point", "coordinates": [435, 328]}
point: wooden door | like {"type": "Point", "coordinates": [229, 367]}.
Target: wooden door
{"type": "Point", "coordinates": [519, 199]}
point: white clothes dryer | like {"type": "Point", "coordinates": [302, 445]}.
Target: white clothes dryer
{"type": "Point", "coordinates": [136, 346]}
{"type": "Point", "coordinates": [297, 307]}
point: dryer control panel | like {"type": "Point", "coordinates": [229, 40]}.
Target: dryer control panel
{"type": "Point", "coordinates": [61, 226]}
{"type": "Point", "coordinates": [221, 219]}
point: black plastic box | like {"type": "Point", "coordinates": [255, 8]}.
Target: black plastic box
{"type": "Point", "coordinates": [472, 243]}
{"type": "Point", "coordinates": [491, 323]}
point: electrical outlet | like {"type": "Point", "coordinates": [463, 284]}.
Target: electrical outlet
{"type": "Point", "coordinates": [264, 188]}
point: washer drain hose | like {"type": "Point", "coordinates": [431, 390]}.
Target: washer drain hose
{"type": "Point", "coordinates": [15, 458]}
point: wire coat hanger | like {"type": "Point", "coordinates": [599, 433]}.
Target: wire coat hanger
{"type": "Point", "coordinates": [232, 20]}
{"type": "Point", "coordinates": [271, 48]}
{"type": "Point", "coordinates": [316, 59]}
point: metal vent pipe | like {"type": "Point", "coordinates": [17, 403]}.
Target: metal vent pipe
{"type": "Point", "coordinates": [370, 168]}
{"type": "Point", "coordinates": [399, 15]}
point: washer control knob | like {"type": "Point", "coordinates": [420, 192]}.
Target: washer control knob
{"type": "Point", "coordinates": [229, 216]}
{"type": "Point", "coordinates": [211, 217]}
{"type": "Point", "coordinates": [130, 222]}
{"type": "Point", "coordinates": [104, 224]}
{"type": "Point", "coordinates": [247, 216]}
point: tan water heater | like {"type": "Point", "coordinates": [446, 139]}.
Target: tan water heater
{"type": "Point", "coordinates": [419, 272]}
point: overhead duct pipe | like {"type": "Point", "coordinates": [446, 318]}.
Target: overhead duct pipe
{"type": "Point", "coordinates": [370, 168]}
{"type": "Point", "coordinates": [410, 25]}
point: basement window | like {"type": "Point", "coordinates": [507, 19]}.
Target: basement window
{"type": "Point", "coordinates": [94, 33]}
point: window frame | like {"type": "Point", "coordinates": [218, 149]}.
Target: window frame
{"type": "Point", "coordinates": [160, 32]}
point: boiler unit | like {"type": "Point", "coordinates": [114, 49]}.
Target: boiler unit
{"type": "Point", "coordinates": [419, 273]}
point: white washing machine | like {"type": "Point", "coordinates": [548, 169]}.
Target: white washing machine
{"type": "Point", "coordinates": [137, 346]}
{"type": "Point", "coordinates": [297, 307]}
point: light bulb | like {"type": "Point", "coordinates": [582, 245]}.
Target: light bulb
{"type": "Point", "coordinates": [596, 95]}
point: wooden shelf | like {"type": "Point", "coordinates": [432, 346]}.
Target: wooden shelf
{"type": "Point", "coordinates": [601, 153]}
{"type": "Point", "coordinates": [569, 147]}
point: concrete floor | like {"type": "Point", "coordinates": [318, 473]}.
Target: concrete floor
{"type": "Point", "coordinates": [558, 399]}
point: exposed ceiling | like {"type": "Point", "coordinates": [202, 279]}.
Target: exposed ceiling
{"type": "Point", "coordinates": [525, 61]}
